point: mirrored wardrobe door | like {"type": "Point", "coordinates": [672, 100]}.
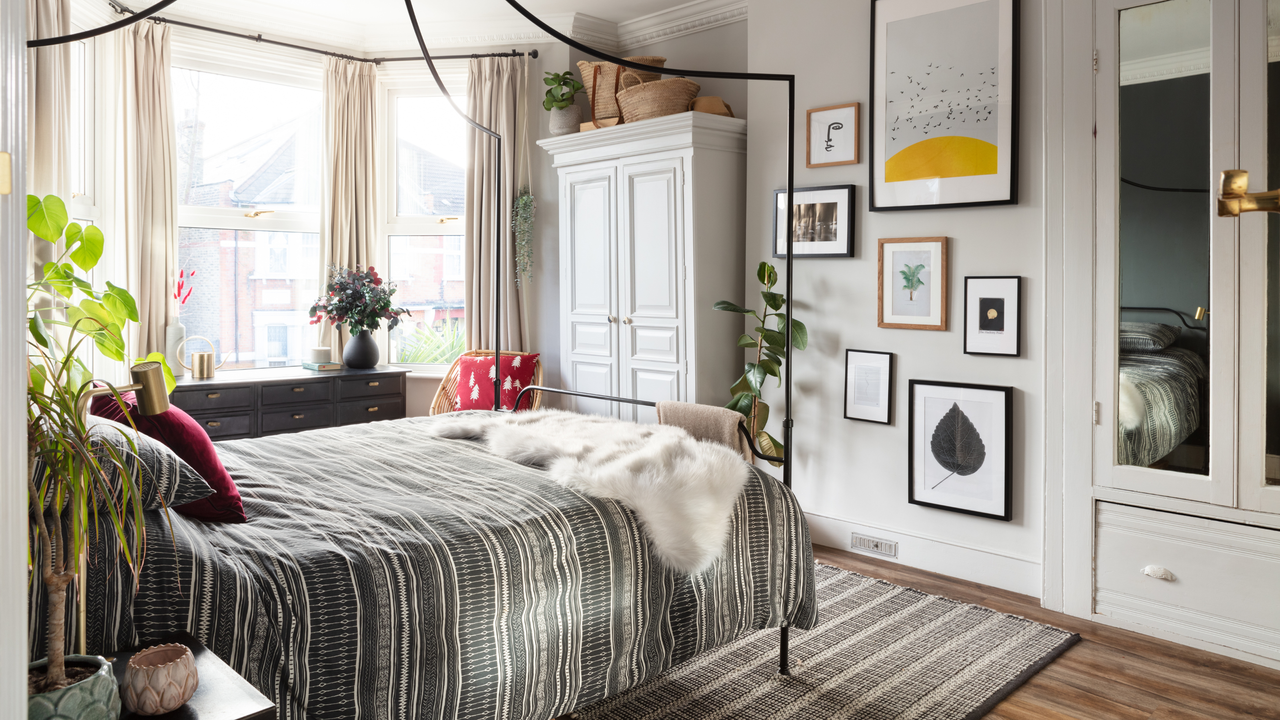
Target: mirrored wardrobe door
{"type": "Point", "coordinates": [1164, 374]}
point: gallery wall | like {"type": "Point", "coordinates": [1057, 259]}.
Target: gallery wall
{"type": "Point", "coordinates": [853, 475]}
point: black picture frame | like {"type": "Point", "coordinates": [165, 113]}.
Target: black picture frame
{"type": "Point", "coordinates": [847, 239]}
{"type": "Point", "coordinates": [1018, 315]}
{"type": "Point", "coordinates": [888, 410]}
{"type": "Point", "coordinates": [1015, 77]}
{"type": "Point", "coordinates": [1006, 458]}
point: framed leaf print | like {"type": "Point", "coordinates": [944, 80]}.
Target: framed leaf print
{"type": "Point", "coordinates": [960, 448]}
{"type": "Point", "coordinates": [913, 283]}
{"type": "Point", "coordinates": [944, 103]}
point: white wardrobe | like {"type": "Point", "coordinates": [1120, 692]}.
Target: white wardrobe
{"type": "Point", "coordinates": [651, 235]}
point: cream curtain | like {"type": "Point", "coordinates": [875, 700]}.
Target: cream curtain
{"type": "Point", "coordinates": [48, 111]}
{"type": "Point", "coordinates": [146, 192]}
{"type": "Point", "coordinates": [497, 91]}
{"type": "Point", "coordinates": [350, 122]}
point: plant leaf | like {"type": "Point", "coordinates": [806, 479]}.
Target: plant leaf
{"type": "Point", "coordinates": [58, 279]}
{"type": "Point", "coordinates": [769, 354]}
{"type": "Point", "coordinates": [774, 338]}
{"type": "Point", "coordinates": [169, 382]}
{"type": "Point", "coordinates": [89, 250]}
{"type": "Point", "coordinates": [731, 307]}
{"type": "Point", "coordinates": [46, 218]}
{"type": "Point", "coordinates": [36, 326]}
{"type": "Point", "coordinates": [741, 403]}
{"type": "Point", "coordinates": [755, 375]}
{"type": "Point", "coordinates": [770, 367]}
{"type": "Point", "coordinates": [956, 443]}
{"type": "Point", "coordinates": [767, 275]}
{"type": "Point", "coordinates": [742, 386]}
{"type": "Point", "coordinates": [129, 307]}
{"type": "Point", "coordinates": [774, 300]}
{"type": "Point", "coordinates": [769, 445]}
{"type": "Point", "coordinates": [799, 334]}
{"type": "Point", "coordinates": [746, 341]}
{"type": "Point", "coordinates": [762, 414]}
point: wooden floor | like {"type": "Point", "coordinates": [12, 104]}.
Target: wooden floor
{"type": "Point", "coordinates": [1111, 673]}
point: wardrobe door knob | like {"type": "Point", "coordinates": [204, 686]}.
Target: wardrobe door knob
{"type": "Point", "coordinates": [627, 321]}
{"type": "Point", "coordinates": [1158, 573]}
{"type": "Point", "coordinates": [612, 318]}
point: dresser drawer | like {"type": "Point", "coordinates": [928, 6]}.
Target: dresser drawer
{"type": "Point", "coordinates": [363, 411]}
{"type": "Point", "coordinates": [195, 400]}
{"type": "Point", "coordinates": [221, 427]}
{"type": "Point", "coordinates": [308, 391]}
{"type": "Point", "coordinates": [1220, 584]}
{"type": "Point", "coordinates": [303, 418]}
{"type": "Point", "coordinates": [363, 387]}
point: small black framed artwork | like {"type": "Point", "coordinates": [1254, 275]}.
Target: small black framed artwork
{"type": "Point", "coordinates": [868, 386]}
{"type": "Point", "coordinates": [993, 315]}
{"type": "Point", "coordinates": [960, 448]}
{"type": "Point", "coordinates": [823, 221]}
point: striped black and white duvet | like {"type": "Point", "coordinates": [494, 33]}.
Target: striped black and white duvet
{"type": "Point", "coordinates": [386, 573]}
{"type": "Point", "coordinates": [1168, 383]}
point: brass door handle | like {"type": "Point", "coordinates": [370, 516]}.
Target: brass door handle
{"type": "Point", "coordinates": [1234, 196]}
{"type": "Point", "coordinates": [373, 409]}
{"type": "Point", "coordinates": [298, 416]}
{"type": "Point", "coordinates": [213, 423]}
{"type": "Point", "coordinates": [213, 396]}
{"type": "Point", "coordinates": [373, 383]}
{"type": "Point", "coordinates": [301, 389]}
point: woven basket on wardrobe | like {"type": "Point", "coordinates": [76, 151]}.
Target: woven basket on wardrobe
{"type": "Point", "coordinates": [605, 106]}
{"type": "Point", "coordinates": [446, 399]}
{"type": "Point", "coordinates": [641, 100]}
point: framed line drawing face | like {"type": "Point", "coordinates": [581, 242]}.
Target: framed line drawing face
{"type": "Point", "coordinates": [823, 221]}
{"type": "Point", "coordinates": [868, 386]}
{"type": "Point", "coordinates": [831, 137]}
{"type": "Point", "coordinates": [960, 448]}
{"type": "Point", "coordinates": [944, 106]}
{"type": "Point", "coordinates": [913, 283]}
{"type": "Point", "coordinates": [993, 316]}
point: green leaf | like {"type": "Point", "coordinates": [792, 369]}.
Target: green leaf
{"type": "Point", "coordinates": [762, 414]}
{"type": "Point", "coordinates": [769, 354]}
{"type": "Point", "coordinates": [742, 386]}
{"type": "Point", "coordinates": [36, 376]}
{"type": "Point", "coordinates": [38, 331]}
{"type": "Point", "coordinates": [746, 341]}
{"type": "Point", "coordinates": [774, 300]}
{"type": "Point", "coordinates": [124, 298]}
{"type": "Point", "coordinates": [731, 307]}
{"type": "Point", "coordinates": [46, 218]}
{"type": "Point", "coordinates": [89, 250]}
{"type": "Point", "coordinates": [58, 279]}
{"type": "Point", "coordinates": [110, 342]}
{"type": "Point", "coordinates": [769, 445]}
{"type": "Point", "coordinates": [755, 377]}
{"type": "Point", "coordinates": [774, 338]}
{"type": "Point", "coordinates": [97, 311]}
{"type": "Point", "coordinates": [771, 368]}
{"type": "Point", "coordinates": [799, 334]}
{"type": "Point", "coordinates": [767, 275]}
{"type": "Point", "coordinates": [169, 382]}
{"type": "Point", "coordinates": [741, 403]}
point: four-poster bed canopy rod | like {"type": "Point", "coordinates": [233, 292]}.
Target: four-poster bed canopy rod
{"type": "Point", "coordinates": [790, 79]}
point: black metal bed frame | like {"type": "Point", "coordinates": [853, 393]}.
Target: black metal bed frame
{"type": "Point", "coordinates": [788, 424]}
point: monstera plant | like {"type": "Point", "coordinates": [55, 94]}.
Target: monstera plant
{"type": "Point", "coordinates": [770, 346]}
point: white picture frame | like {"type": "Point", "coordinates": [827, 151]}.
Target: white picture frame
{"type": "Point", "coordinates": [868, 386]}
{"type": "Point", "coordinates": [831, 135]}
{"type": "Point", "coordinates": [993, 315]}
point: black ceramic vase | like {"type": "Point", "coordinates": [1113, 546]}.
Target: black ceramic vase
{"type": "Point", "coordinates": [361, 352]}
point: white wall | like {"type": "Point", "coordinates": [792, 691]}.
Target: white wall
{"type": "Point", "coordinates": [853, 475]}
{"type": "Point", "coordinates": [719, 48]}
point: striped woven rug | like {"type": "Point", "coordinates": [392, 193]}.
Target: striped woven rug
{"type": "Point", "coordinates": [881, 652]}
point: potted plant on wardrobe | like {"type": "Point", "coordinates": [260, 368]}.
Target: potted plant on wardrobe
{"type": "Point", "coordinates": [70, 486]}
{"type": "Point", "coordinates": [770, 346]}
{"type": "Point", "coordinates": [361, 300]}
{"type": "Point", "coordinates": [566, 118]}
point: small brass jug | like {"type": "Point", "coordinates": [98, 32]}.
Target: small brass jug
{"type": "Point", "coordinates": [201, 366]}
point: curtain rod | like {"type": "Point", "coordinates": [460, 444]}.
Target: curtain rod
{"type": "Point", "coordinates": [124, 10]}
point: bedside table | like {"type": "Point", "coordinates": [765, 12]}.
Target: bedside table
{"type": "Point", "coordinates": [222, 695]}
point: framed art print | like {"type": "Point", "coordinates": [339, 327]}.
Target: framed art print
{"type": "Point", "coordinates": [960, 448]}
{"type": "Point", "coordinates": [868, 386]}
{"type": "Point", "coordinates": [944, 107]}
{"type": "Point", "coordinates": [993, 316]}
{"type": "Point", "coordinates": [823, 221]}
{"type": "Point", "coordinates": [913, 283]}
{"type": "Point", "coordinates": [832, 136]}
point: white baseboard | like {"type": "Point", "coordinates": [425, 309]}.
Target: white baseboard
{"type": "Point", "coordinates": [980, 565]}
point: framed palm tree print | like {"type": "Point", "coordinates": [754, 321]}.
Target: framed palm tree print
{"type": "Point", "coordinates": [913, 283]}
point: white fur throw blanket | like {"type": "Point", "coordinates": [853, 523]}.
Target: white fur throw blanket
{"type": "Point", "coordinates": [682, 490]}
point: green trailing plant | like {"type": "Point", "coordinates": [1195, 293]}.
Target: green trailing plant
{"type": "Point", "coordinates": [358, 299]}
{"type": "Point", "coordinates": [911, 280]}
{"type": "Point", "coordinates": [69, 485]}
{"type": "Point", "coordinates": [430, 346]}
{"type": "Point", "coordinates": [770, 346]}
{"type": "Point", "coordinates": [561, 89]}
{"type": "Point", "coordinates": [522, 229]}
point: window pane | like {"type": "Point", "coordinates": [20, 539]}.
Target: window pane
{"type": "Point", "coordinates": [431, 154]}
{"type": "Point", "coordinates": [78, 137]}
{"type": "Point", "coordinates": [420, 266]}
{"type": "Point", "coordinates": [246, 143]}
{"type": "Point", "coordinates": [250, 294]}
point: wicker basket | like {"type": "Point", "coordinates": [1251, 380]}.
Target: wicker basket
{"type": "Point", "coordinates": [605, 106]}
{"type": "Point", "coordinates": [641, 100]}
{"type": "Point", "coordinates": [446, 399]}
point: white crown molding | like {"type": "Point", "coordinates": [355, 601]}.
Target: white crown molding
{"type": "Point", "coordinates": [1165, 67]}
{"type": "Point", "coordinates": [675, 22]}
{"type": "Point", "coordinates": [670, 132]}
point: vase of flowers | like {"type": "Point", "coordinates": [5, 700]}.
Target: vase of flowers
{"type": "Point", "coordinates": [176, 333]}
{"type": "Point", "coordinates": [360, 300]}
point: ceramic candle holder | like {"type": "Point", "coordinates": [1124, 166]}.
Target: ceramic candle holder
{"type": "Point", "coordinates": [159, 679]}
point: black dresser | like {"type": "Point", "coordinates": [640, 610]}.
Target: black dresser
{"type": "Point", "coordinates": [268, 401]}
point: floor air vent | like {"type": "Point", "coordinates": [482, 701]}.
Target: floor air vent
{"type": "Point", "coordinates": [875, 546]}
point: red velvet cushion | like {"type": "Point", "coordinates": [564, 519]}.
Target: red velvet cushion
{"type": "Point", "coordinates": [187, 440]}
{"type": "Point", "coordinates": [475, 381]}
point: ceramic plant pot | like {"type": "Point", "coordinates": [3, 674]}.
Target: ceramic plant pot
{"type": "Point", "coordinates": [159, 679]}
{"type": "Point", "coordinates": [93, 698]}
{"type": "Point", "coordinates": [565, 121]}
{"type": "Point", "coordinates": [361, 352]}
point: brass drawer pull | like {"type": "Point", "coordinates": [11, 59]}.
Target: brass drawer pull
{"type": "Point", "coordinates": [373, 383]}
{"type": "Point", "coordinates": [214, 423]}
{"type": "Point", "coordinates": [214, 396]}
{"type": "Point", "coordinates": [373, 409]}
{"type": "Point", "coordinates": [301, 389]}
{"type": "Point", "coordinates": [298, 416]}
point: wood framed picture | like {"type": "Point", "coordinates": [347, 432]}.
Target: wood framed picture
{"type": "Point", "coordinates": [944, 103]}
{"type": "Point", "coordinates": [823, 221]}
{"type": "Point", "coordinates": [913, 283]}
{"type": "Point", "coordinates": [993, 315]}
{"type": "Point", "coordinates": [831, 136]}
{"type": "Point", "coordinates": [960, 448]}
{"type": "Point", "coordinates": [868, 386]}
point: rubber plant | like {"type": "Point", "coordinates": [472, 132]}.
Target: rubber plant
{"type": "Point", "coordinates": [561, 87]}
{"type": "Point", "coordinates": [69, 484]}
{"type": "Point", "coordinates": [770, 346]}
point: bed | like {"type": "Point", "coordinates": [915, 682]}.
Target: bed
{"type": "Point", "coordinates": [426, 578]}
{"type": "Point", "coordinates": [1159, 405]}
